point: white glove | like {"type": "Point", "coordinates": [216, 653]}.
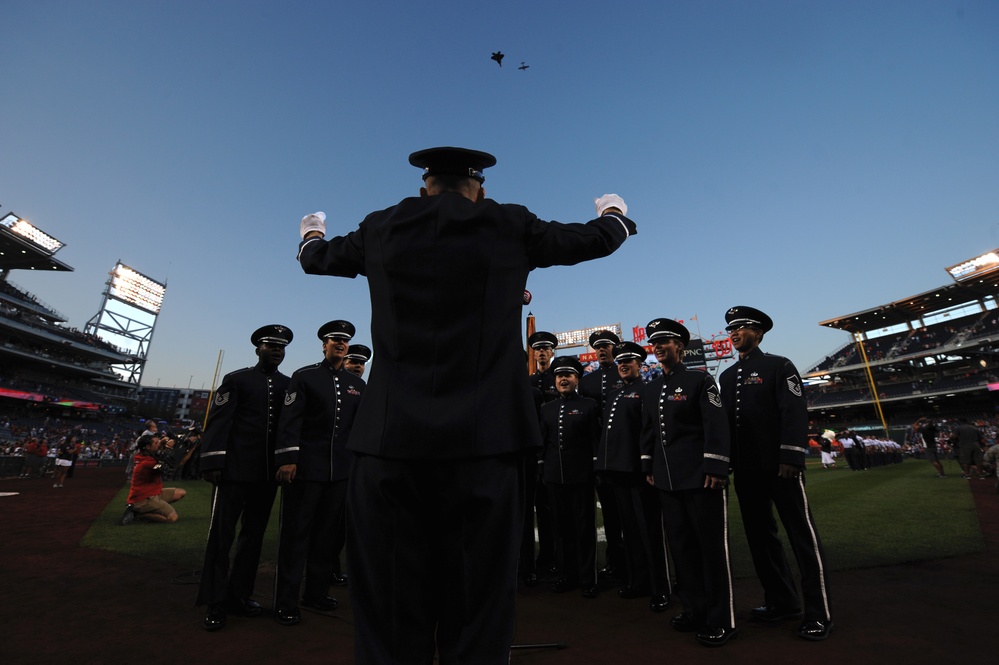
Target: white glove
{"type": "Point", "coordinates": [610, 201]}
{"type": "Point", "coordinates": [314, 222]}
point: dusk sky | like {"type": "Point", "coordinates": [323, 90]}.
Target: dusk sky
{"type": "Point", "coordinates": [809, 158]}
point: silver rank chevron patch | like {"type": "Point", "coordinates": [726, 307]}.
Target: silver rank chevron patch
{"type": "Point", "coordinates": [713, 397]}
{"type": "Point", "coordinates": [221, 399]}
{"type": "Point", "coordinates": [794, 386]}
{"type": "Point", "coordinates": [289, 398]}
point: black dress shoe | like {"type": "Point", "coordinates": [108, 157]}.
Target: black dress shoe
{"type": "Point", "coordinates": [562, 585]}
{"type": "Point", "coordinates": [716, 637]}
{"type": "Point", "coordinates": [629, 591]}
{"type": "Point", "coordinates": [288, 617]}
{"type": "Point", "coordinates": [245, 607]}
{"type": "Point", "coordinates": [607, 571]}
{"type": "Point", "coordinates": [589, 591]}
{"type": "Point", "coordinates": [685, 623]}
{"type": "Point", "coordinates": [814, 631]}
{"type": "Point", "coordinates": [340, 579]}
{"type": "Point", "coordinates": [324, 604]}
{"type": "Point", "coordinates": [773, 614]}
{"type": "Point", "coordinates": [659, 603]}
{"type": "Point", "coordinates": [531, 580]}
{"type": "Point", "coordinates": [215, 619]}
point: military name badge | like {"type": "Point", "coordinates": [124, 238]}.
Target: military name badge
{"type": "Point", "coordinates": [677, 396]}
{"type": "Point", "coordinates": [794, 385]}
{"type": "Point", "coordinates": [351, 390]}
{"type": "Point", "coordinates": [713, 397]}
{"type": "Point", "coordinates": [221, 399]}
{"type": "Point", "coordinates": [753, 379]}
{"type": "Point", "coordinates": [289, 398]}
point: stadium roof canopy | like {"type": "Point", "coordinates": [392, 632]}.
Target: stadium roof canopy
{"type": "Point", "coordinates": [18, 252]}
{"type": "Point", "coordinates": [916, 307]}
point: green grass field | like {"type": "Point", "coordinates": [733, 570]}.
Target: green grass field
{"type": "Point", "coordinates": [884, 516]}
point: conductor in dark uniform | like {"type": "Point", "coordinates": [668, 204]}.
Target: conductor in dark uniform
{"type": "Point", "coordinates": [768, 419]}
{"type": "Point", "coordinates": [237, 453]}
{"type": "Point", "coordinates": [312, 460]}
{"type": "Point", "coordinates": [597, 385]}
{"type": "Point", "coordinates": [570, 430]}
{"type": "Point", "coordinates": [435, 506]}
{"type": "Point", "coordinates": [619, 459]}
{"type": "Point", "coordinates": [685, 451]}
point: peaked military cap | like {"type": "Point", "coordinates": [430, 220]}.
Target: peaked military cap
{"type": "Point", "coordinates": [605, 336]}
{"type": "Point", "coordinates": [663, 328]}
{"type": "Point", "coordinates": [567, 364]}
{"type": "Point", "coordinates": [741, 315]}
{"type": "Point", "coordinates": [542, 338]}
{"type": "Point", "coordinates": [339, 329]}
{"type": "Point", "coordinates": [452, 161]}
{"type": "Point", "coordinates": [629, 351]}
{"type": "Point", "coordinates": [358, 352]}
{"type": "Point", "coordinates": [273, 334]}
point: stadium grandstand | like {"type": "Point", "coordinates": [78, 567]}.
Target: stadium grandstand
{"type": "Point", "coordinates": [46, 365]}
{"type": "Point", "coordinates": [933, 354]}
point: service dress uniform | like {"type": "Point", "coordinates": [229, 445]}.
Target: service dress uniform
{"type": "Point", "coordinates": [570, 429]}
{"type": "Point", "coordinates": [238, 444]}
{"type": "Point", "coordinates": [768, 420]}
{"type": "Point", "coordinates": [435, 500]}
{"type": "Point", "coordinates": [318, 415]}
{"type": "Point", "coordinates": [597, 385]}
{"type": "Point", "coordinates": [684, 438]}
{"type": "Point", "coordinates": [539, 501]}
{"type": "Point", "coordinates": [619, 459]}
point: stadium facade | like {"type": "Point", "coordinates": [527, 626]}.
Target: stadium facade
{"type": "Point", "coordinates": [932, 354]}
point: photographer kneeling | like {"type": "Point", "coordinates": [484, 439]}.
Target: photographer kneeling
{"type": "Point", "coordinates": [147, 498]}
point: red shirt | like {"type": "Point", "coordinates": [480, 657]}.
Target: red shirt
{"type": "Point", "coordinates": [146, 481]}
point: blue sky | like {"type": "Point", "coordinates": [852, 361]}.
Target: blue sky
{"type": "Point", "coordinates": [812, 159]}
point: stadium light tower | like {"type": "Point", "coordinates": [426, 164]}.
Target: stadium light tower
{"type": "Point", "coordinates": [127, 317]}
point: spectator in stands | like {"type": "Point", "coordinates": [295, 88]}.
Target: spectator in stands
{"type": "Point", "coordinates": [147, 498]}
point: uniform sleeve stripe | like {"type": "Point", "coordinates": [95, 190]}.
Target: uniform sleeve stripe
{"type": "Point", "coordinates": [213, 453]}
{"type": "Point", "coordinates": [794, 448]}
{"type": "Point", "coordinates": [717, 457]}
{"type": "Point", "coordinates": [286, 450]}
{"type": "Point", "coordinates": [623, 225]}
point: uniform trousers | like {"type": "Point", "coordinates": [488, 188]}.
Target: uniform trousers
{"type": "Point", "coordinates": [610, 510]}
{"type": "Point", "coordinates": [576, 529]}
{"type": "Point", "coordinates": [697, 528]}
{"type": "Point", "coordinates": [249, 505]}
{"type": "Point", "coordinates": [526, 565]}
{"type": "Point", "coordinates": [546, 524]}
{"type": "Point", "coordinates": [642, 524]}
{"type": "Point", "coordinates": [309, 515]}
{"type": "Point", "coordinates": [759, 492]}
{"type": "Point", "coordinates": [432, 547]}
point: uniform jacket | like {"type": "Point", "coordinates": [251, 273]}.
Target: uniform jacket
{"type": "Point", "coordinates": [622, 429]}
{"type": "Point", "coordinates": [684, 431]}
{"type": "Point", "coordinates": [446, 278]}
{"type": "Point", "coordinates": [767, 413]}
{"type": "Point", "coordinates": [242, 425]}
{"type": "Point", "coordinates": [600, 383]}
{"type": "Point", "coordinates": [544, 382]}
{"type": "Point", "coordinates": [570, 429]}
{"type": "Point", "coordinates": [319, 412]}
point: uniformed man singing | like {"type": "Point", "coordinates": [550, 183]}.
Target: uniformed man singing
{"type": "Point", "coordinates": [685, 452]}
{"type": "Point", "coordinates": [619, 459]}
{"type": "Point", "coordinates": [312, 461]}
{"type": "Point", "coordinates": [597, 385]}
{"type": "Point", "coordinates": [237, 457]}
{"type": "Point", "coordinates": [543, 345]}
{"type": "Point", "coordinates": [768, 419]}
{"type": "Point", "coordinates": [448, 413]}
{"type": "Point", "coordinates": [358, 356]}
